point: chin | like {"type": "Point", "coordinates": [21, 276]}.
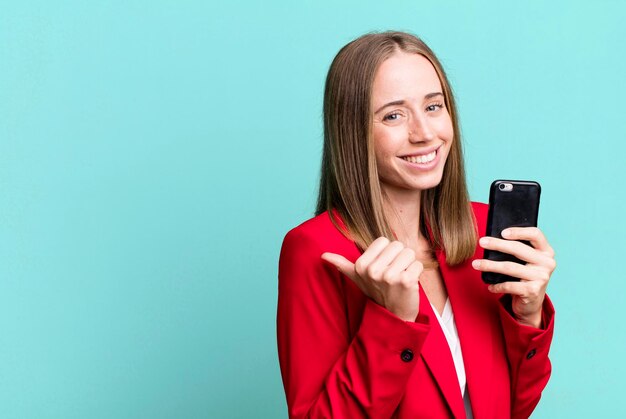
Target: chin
{"type": "Point", "coordinates": [411, 184]}
{"type": "Point", "coordinates": [429, 183]}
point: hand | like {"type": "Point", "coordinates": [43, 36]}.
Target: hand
{"type": "Point", "coordinates": [388, 273]}
{"type": "Point", "coordinates": [529, 293]}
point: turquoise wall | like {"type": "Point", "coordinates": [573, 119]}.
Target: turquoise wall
{"type": "Point", "coordinates": [154, 153]}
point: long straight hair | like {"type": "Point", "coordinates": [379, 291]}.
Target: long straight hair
{"type": "Point", "coordinates": [349, 181]}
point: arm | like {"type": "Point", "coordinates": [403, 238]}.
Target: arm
{"type": "Point", "coordinates": [527, 352]}
{"type": "Point", "coordinates": [527, 315]}
{"type": "Point", "coordinates": [326, 372]}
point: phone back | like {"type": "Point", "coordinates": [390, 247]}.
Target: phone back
{"type": "Point", "coordinates": [512, 203]}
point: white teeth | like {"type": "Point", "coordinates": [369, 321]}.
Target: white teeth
{"type": "Point", "coordinates": [426, 158]}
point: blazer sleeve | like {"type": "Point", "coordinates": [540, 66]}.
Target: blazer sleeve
{"type": "Point", "coordinates": [527, 351]}
{"type": "Point", "coordinates": [326, 372]}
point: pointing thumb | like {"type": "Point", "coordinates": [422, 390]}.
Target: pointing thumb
{"type": "Point", "coordinates": [341, 263]}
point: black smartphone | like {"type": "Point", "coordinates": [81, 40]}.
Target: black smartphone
{"type": "Point", "coordinates": [512, 203]}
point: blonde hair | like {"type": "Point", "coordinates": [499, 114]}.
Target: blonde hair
{"type": "Point", "coordinates": [349, 180]}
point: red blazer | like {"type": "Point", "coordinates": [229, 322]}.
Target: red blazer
{"type": "Point", "coordinates": [344, 356]}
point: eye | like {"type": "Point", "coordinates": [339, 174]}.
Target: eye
{"type": "Point", "coordinates": [434, 107]}
{"type": "Point", "coordinates": [393, 116]}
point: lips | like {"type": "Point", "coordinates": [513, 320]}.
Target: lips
{"type": "Point", "coordinates": [424, 157]}
{"type": "Point", "coordinates": [421, 159]}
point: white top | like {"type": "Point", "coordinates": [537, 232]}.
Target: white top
{"type": "Point", "coordinates": [446, 321]}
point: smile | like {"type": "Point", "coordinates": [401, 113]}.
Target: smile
{"type": "Point", "coordinates": [421, 159]}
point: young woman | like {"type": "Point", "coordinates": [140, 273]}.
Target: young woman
{"type": "Point", "coordinates": [381, 308]}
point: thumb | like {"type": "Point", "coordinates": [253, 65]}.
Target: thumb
{"type": "Point", "coordinates": [341, 263]}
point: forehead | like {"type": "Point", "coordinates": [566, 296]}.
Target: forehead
{"type": "Point", "coordinates": [404, 76]}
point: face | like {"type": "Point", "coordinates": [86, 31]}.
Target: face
{"type": "Point", "coordinates": [412, 129]}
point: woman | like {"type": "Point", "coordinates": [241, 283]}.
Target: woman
{"type": "Point", "coordinates": [381, 308]}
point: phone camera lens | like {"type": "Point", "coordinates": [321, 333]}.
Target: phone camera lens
{"type": "Point", "coordinates": [505, 187]}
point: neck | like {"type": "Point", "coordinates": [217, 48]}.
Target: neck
{"type": "Point", "coordinates": [402, 209]}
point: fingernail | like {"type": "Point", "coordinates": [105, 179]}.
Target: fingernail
{"type": "Point", "coordinates": [506, 233]}
{"type": "Point", "coordinates": [483, 241]}
{"type": "Point", "coordinates": [476, 263]}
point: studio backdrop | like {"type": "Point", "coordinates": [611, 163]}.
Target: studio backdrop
{"type": "Point", "coordinates": [153, 154]}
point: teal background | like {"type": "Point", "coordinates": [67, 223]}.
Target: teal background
{"type": "Point", "coordinates": [154, 153]}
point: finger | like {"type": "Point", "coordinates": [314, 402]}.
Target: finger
{"type": "Point", "coordinates": [342, 264]}
{"type": "Point", "coordinates": [414, 270]}
{"type": "Point", "coordinates": [371, 253]}
{"type": "Point", "coordinates": [532, 234]}
{"type": "Point", "coordinates": [528, 291]}
{"type": "Point", "coordinates": [378, 266]}
{"type": "Point", "coordinates": [513, 269]}
{"type": "Point", "coordinates": [517, 249]}
{"type": "Point", "coordinates": [402, 261]}
{"type": "Point", "coordinates": [513, 288]}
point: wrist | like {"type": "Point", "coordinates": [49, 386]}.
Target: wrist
{"type": "Point", "coordinates": [533, 320]}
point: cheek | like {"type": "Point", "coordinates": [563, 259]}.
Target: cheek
{"type": "Point", "coordinates": [382, 145]}
{"type": "Point", "coordinates": [381, 150]}
{"type": "Point", "coordinates": [450, 134]}
{"type": "Point", "coordinates": [446, 130]}
{"type": "Point", "coordinates": [381, 158]}
{"type": "Point", "coordinates": [387, 140]}
{"type": "Point", "coordinates": [384, 154]}
{"type": "Point", "coordinates": [448, 146]}
{"type": "Point", "coordinates": [448, 150]}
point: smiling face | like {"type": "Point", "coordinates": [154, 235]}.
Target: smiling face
{"type": "Point", "coordinates": [412, 129]}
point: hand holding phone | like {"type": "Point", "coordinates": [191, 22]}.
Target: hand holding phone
{"type": "Point", "coordinates": [512, 203]}
{"type": "Point", "coordinates": [520, 263]}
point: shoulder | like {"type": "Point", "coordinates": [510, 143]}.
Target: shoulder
{"type": "Point", "coordinates": [316, 226]}
{"type": "Point", "coordinates": [302, 273]}
{"type": "Point", "coordinates": [314, 230]}
{"type": "Point", "coordinates": [316, 236]}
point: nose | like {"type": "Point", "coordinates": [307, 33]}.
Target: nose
{"type": "Point", "coordinates": [420, 129]}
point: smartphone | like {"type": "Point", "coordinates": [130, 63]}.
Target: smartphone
{"type": "Point", "coordinates": [512, 203]}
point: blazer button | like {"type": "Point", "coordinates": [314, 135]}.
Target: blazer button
{"type": "Point", "coordinates": [407, 355]}
{"type": "Point", "coordinates": [531, 353]}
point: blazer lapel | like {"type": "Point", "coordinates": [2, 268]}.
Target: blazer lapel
{"type": "Point", "coordinates": [470, 302]}
{"type": "Point", "coordinates": [437, 357]}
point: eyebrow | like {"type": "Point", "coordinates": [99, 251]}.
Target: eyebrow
{"type": "Point", "coordinates": [402, 102]}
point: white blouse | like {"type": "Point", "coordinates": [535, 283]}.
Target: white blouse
{"type": "Point", "coordinates": [446, 321]}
